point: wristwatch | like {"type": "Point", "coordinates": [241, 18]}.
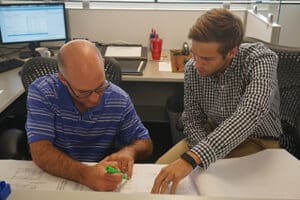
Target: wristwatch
{"type": "Point", "coordinates": [189, 159]}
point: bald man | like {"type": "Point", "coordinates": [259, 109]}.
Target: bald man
{"type": "Point", "coordinates": [78, 116]}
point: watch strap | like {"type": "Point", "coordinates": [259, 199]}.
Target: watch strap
{"type": "Point", "coordinates": [189, 159]}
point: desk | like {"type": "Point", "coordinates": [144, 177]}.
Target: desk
{"type": "Point", "coordinates": [152, 74]}
{"type": "Point", "coordinates": [10, 88]}
{"type": "Point", "coordinates": [50, 195]}
{"type": "Point", "coordinates": [269, 174]}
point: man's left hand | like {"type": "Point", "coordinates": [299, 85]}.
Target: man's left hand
{"type": "Point", "coordinates": [171, 174]}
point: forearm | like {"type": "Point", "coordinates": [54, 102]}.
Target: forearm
{"type": "Point", "coordinates": [227, 136]}
{"type": "Point", "coordinates": [57, 163]}
{"type": "Point", "coordinates": [139, 149]}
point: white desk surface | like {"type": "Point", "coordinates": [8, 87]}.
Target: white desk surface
{"type": "Point", "coordinates": [152, 74]}
{"type": "Point", "coordinates": [77, 195]}
{"type": "Point", "coordinates": [10, 87]}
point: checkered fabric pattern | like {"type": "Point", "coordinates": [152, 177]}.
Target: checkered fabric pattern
{"type": "Point", "coordinates": [242, 102]}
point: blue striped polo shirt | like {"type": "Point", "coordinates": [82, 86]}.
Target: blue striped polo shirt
{"type": "Point", "coordinates": [87, 136]}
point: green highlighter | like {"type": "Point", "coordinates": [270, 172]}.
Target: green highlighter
{"type": "Point", "coordinates": [112, 170]}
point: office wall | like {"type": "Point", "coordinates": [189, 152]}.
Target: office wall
{"type": "Point", "coordinates": [133, 25]}
{"type": "Point", "coordinates": [289, 21]}
{"type": "Point", "coordinates": [111, 25]}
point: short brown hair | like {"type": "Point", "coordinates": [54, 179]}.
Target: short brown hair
{"type": "Point", "coordinates": [218, 25]}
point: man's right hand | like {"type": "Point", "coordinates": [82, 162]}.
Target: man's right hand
{"type": "Point", "coordinates": [57, 163]}
{"type": "Point", "coordinates": [96, 178]}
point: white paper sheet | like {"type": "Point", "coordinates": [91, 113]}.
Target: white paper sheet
{"type": "Point", "coordinates": [25, 175]}
{"type": "Point", "coordinates": [164, 67]}
{"type": "Point", "coordinates": [123, 51]}
{"type": "Point", "coordinates": [144, 176]}
{"type": "Point", "coordinates": [273, 174]}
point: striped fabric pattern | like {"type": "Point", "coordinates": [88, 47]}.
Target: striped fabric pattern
{"type": "Point", "coordinates": [88, 136]}
{"type": "Point", "coordinates": [241, 102]}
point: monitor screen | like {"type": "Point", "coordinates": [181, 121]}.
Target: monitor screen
{"type": "Point", "coordinates": [32, 22]}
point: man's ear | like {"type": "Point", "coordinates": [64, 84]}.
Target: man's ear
{"type": "Point", "coordinates": [232, 52]}
{"type": "Point", "coordinates": [62, 78]}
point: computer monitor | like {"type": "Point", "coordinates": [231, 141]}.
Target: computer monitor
{"type": "Point", "coordinates": [32, 23]}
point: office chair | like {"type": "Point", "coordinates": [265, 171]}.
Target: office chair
{"type": "Point", "coordinates": [37, 67]}
{"type": "Point", "coordinates": [288, 74]}
{"type": "Point", "coordinates": [113, 70]}
{"type": "Point", "coordinates": [13, 142]}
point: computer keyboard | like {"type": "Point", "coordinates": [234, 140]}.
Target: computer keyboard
{"type": "Point", "coordinates": [9, 64]}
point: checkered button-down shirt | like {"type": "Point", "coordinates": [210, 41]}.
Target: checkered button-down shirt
{"type": "Point", "coordinates": [242, 102]}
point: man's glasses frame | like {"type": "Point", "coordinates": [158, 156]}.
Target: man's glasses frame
{"type": "Point", "coordinates": [99, 90]}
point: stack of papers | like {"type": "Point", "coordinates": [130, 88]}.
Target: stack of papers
{"type": "Point", "coordinates": [273, 174]}
{"type": "Point", "coordinates": [123, 51]}
{"type": "Point", "coordinates": [132, 59]}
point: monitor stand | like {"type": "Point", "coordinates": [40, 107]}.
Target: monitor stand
{"type": "Point", "coordinates": [31, 52]}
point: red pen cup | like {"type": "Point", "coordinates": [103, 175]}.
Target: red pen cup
{"type": "Point", "coordinates": [156, 46]}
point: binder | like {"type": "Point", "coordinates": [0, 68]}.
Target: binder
{"type": "Point", "coordinates": [132, 67]}
{"type": "Point", "coordinates": [132, 58]}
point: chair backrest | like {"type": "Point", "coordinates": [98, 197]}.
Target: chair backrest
{"type": "Point", "coordinates": [288, 72]}
{"type": "Point", "coordinates": [289, 87]}
{"type": "Point", "coordinates": [37, 67]}
{"type": "Point", "coordinates": [113, 70]}
{"type": "Point", "coordinates": [289, 82]}
{"type": "Point", "coordinates": [41, 66]}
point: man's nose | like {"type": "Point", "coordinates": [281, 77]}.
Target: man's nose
{"type": "Point", "coordinates": [199, 63]}
{"type": "Point", "coordinates": [94, 97]}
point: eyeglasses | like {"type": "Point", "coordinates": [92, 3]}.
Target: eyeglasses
{"type": "Point", "coordinates": [100, 89]}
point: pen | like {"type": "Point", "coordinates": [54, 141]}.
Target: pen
{"type": "Point", "coordinates": [152, 34]}
{"type": "Point", "coordinates": [112, 170]}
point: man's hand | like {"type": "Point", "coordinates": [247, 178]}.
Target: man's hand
{"type": "Point", "coordinates": [96, 178]}
{"type": "Point", "coordinates": [171, 174]}
{"type": "Point", "coordinates": [124, 158]}
{"type": "Point", "coordinates": [57, 163]}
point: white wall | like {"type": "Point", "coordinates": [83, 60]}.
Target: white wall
{"type": "Point", "coordinates": [290, 26]}
{"type": "Point", "coordinates": [258, 26]}
{"type": "Point", "coordinates": [108, 25]}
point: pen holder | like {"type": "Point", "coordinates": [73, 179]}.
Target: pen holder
{"type": "Point", "coordinates": [178, 60]}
